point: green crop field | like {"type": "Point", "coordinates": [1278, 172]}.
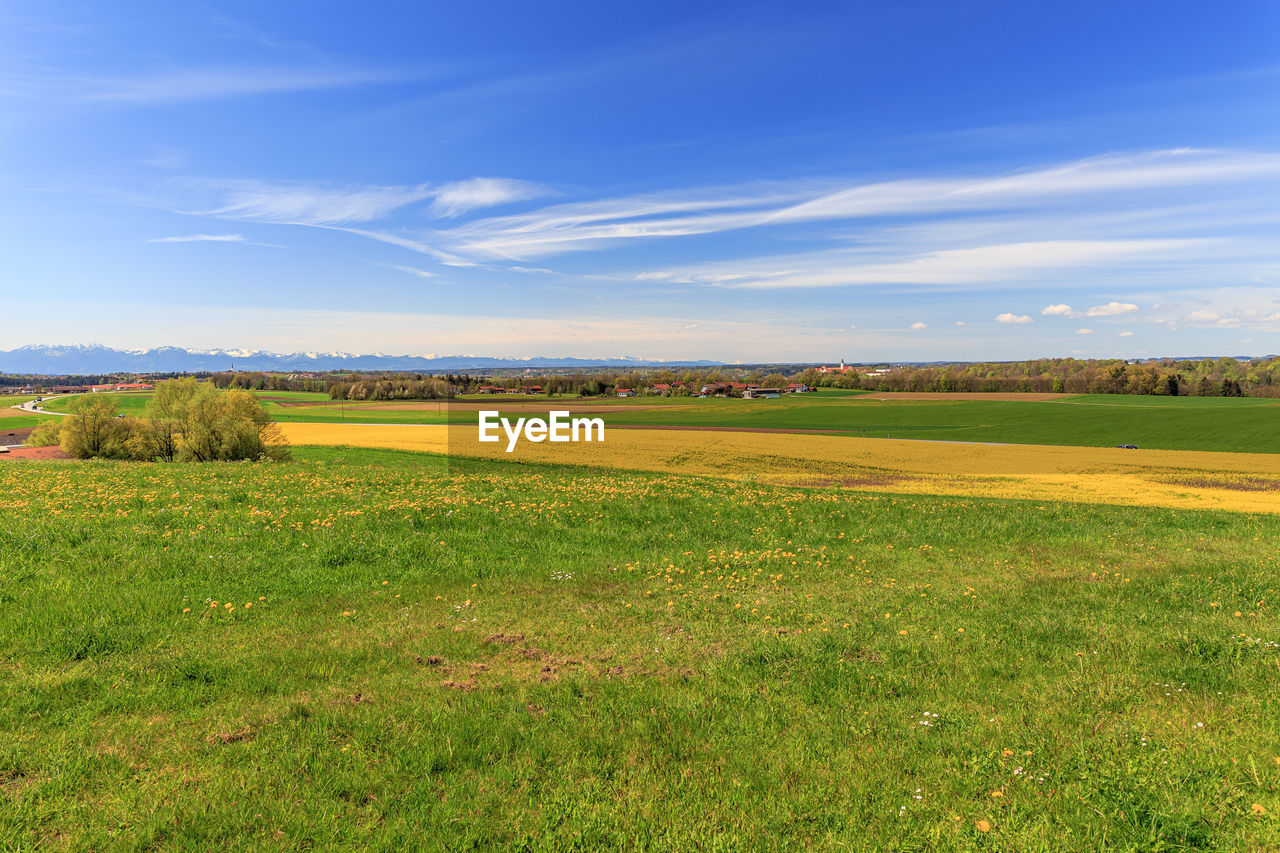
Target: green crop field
{"type": "Point", "coordinates": [358, 649]}
{"type": "Point", "coordinates": [1238, 424]}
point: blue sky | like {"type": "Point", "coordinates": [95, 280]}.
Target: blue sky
{"type": "Point", "coordinates": [756, 182]}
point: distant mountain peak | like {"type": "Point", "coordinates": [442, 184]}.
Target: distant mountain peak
{"type": "Point", "coordinates": [91, 359]}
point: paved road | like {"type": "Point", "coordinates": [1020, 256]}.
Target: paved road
{"type": "Point", "coordinates": [30, 406]}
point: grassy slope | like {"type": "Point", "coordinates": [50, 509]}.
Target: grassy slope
{"type": "Point", "coordinates": [1069, 653]}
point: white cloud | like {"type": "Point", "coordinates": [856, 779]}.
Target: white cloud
{"type": "Point", "coordinates": [593, 225]}
{"type": "Point", "coordinates": [198, 84]}
{"type": "Point", "coordinates": [960, 322]}
{"type": "Point", "coordinates": [458, 198]}
{"type": "Point", "coordinates": [414, 271]}
{"type": "Point", "coordinates": [1228, 307]}
{"type": "Point", "coordinates": [1125, 335]}
{"type": "Point", "coordinates": [1084, 331]}
{"type": "Point", "coordinates": [1014, 319]}
{"type": "Point", "coordinates": [852, 327]}
{"type": "Point", "coordinates": [919, 326]}
{"type": "Point", "coordinates": [976, 265]}
{"type": "Point", "coordinates": [1111, 309]}
{"type": "Point", "coordinates": [298, 204]}
{"type": "Point", "coordinates": [201, 238]}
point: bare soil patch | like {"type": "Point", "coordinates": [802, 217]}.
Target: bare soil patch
{"type": "Point", "coordinates": [12, 437]}
{"type": "Point", "coordinates": [34, 453]}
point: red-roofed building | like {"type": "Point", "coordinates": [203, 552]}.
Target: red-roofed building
{"type": "Point", "coordinates": [843, 368]}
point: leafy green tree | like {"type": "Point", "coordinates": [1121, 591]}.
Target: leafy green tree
{"type": "Point", "coordinates": [193, 421]}
{"type": "Point", "coordinates": [93, 429]}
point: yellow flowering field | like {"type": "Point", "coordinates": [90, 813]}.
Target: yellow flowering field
{"type": "Point", "coordinates": [1242, 482]}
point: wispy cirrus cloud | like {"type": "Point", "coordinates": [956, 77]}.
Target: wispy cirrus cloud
{"type": "Point", "coordinates": [301, 204]}
{"type": "Point", "coordinates": [201, 238]}
{"type": "Point", "coordinates": [464, 196]}
{"type": "Point", "coordinates": [313, 204]}
{"type": "Point", "coordinates": [413, 271]}
{"type": "Point", "coordinates": [950, 267]}
{"type": "Point", "coordinates": [170, 85]}
{"type": "Point", "coordinates": [595, 225]}
{"type": "Point", "coordinates": [238, 239]}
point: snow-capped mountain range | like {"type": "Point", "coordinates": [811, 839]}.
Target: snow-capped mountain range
{"type": "Point", "coordinates": [97, 359]}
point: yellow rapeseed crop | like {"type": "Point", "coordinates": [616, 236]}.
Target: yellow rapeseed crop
{"type": "Point", "coordinates": [1243, 482]}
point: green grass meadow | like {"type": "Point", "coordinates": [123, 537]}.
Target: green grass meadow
{"type": "Point", "coordinates": [504, 656]}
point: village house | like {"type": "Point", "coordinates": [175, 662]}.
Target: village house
{"type": "Point", "coordinates": [625, 392]}
{"type": "Point", "coordinates": [843, 368]}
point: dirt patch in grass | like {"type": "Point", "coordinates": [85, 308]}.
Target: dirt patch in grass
{"type": "Point", "coordinates": [241, 734]}
{"type": "Point", "coordinates": [504, 638]}
{"type": "Point", "coordinates": [14, 782]}
{"type": "Point", "coordinates": [464, 686]}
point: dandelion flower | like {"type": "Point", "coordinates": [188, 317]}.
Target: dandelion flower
{"type": "Point", "coordinates": [346, 613]}
{"type": "Point", "coordinates": [1257, 808]}
{"type": "Point", "coordinates": [997, 794]}
{"type": "Point", "coordinates": [186, 610]}
{"type": "Point", "coordinates": [983, 825]}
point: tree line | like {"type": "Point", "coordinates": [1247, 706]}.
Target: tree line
{"type": "Point", "coordinates": [1208, 377]}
